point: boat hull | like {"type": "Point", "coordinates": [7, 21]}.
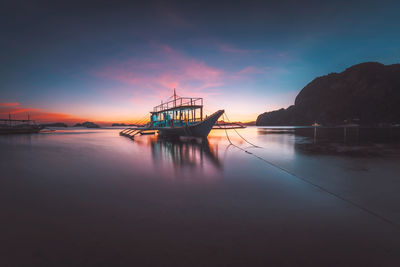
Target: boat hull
{"type": "Point", "coordinates": [17, 130]}
{"type": "Point", "coordinates": [200, 129]}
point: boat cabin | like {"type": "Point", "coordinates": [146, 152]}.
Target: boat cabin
{"type": "Point", "coordinates": [178, 112]}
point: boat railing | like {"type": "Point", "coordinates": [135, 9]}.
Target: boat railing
{"type": "Point", "coordinates": [179, 102]}
{"type": "Point", "coordinates": [174, 122]}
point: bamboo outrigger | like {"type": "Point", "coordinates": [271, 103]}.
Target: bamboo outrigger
{"type": "Point", "coordinates": [181, 116]}
{"type": "Point", "coordinates": [228, 125]}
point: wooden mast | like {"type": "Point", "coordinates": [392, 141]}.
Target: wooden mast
{"type": "Point", "coordinates": [173, 111]}
{"type": "Point", "coordinates": [174, 98]}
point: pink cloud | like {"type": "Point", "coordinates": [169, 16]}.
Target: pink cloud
{"type": "Point", "coordinates": [8, 104]}
{"type": "Point", "coordinates": [20, 112]}
{"type": "Point", "coordinates": [164, 70]}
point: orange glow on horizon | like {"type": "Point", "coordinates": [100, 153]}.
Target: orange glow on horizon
{"type": "Point", "coordinates": [42, 116]}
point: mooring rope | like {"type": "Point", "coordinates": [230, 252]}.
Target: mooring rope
{"type": "Point", "coordinates": [372, 213]}
{"type": "Point", "coordinates": [142, 120]}
{"type": "Point", "coordinates": [226, 116]}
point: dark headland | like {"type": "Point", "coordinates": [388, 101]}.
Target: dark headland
{"type": "Point", "coordinates": [87, 124]}
{"type": "Point", "coordinates": [55, 124]}
{"type": "Point", "coordinates": [366, 93]}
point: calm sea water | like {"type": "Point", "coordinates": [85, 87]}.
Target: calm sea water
{"type": "Point", "coordinates": [86, 197]}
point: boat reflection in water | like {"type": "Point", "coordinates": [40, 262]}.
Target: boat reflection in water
{"type": "Point", "coordinates": [190, 155]}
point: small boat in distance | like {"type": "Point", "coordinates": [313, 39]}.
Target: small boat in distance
{"type": "Point", "coordinates": [9, 126]}
{"type": "Point", "coordinates": [181, 116]}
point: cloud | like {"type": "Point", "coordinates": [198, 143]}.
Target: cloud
{"type": "Point", "coordinates": [164, 70]}
{"type": "Point", "coordinates": [19, 112]}
{"type": "Point", "coordinates": [141, 81]}
{"type": "Point", "coordinates": [8, 104]}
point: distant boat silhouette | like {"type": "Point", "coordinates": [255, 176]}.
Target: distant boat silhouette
{"type": "Point", "coordinates": [9, 126]}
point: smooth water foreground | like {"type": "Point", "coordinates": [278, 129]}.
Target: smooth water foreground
{"type": "Point", "coordinates": [88, 197]}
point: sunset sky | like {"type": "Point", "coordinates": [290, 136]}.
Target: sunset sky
{"type": "Point", "coordinates": [112, 61]}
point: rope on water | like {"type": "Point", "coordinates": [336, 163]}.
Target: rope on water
{"type": "Point", "coordinates": [370, 212]}
{"type": "Point", "coordinates": [244, 139]}
{"type": "Point", "coordinates": [230, 142]}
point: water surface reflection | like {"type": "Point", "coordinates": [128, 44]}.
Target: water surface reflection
{"type": "Point", "coordinates": [84, 197]}
{"type": "Point", "coordinates": [185, 154]}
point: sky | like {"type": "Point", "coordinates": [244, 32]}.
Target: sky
{"type": "Point", "coordinates": [112, 61]}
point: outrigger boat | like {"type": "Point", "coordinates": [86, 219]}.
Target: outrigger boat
{"type": "Point", "coordinates": [181, 116]}
{"type": "Point", "coordinates": [9, 126]}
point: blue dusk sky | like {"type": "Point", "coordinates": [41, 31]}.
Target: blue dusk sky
{"type": "Point", "coordinates": [112, 61]}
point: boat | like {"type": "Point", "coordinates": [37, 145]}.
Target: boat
{"type": "Point", "coordinates": [181, 116]}
{"type": "Point", "coordinates": [9, 126]}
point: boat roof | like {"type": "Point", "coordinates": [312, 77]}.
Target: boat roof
{"type": "Point", "coordinates": [179, 103]}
